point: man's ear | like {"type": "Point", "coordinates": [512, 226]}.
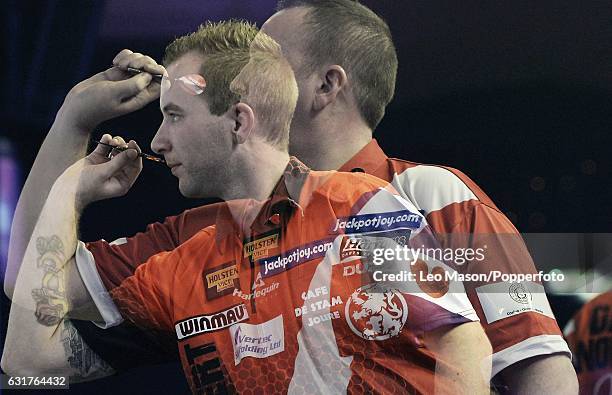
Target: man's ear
{"type": "Point", "coordinates": [244, 119]}
{"type": "Point", "coordinates": [334, 80]}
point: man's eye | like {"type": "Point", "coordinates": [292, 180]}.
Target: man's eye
{"type": "Point", "coordinates": [174, 117]}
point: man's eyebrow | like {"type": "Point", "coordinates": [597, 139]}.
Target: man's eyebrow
{"type": "Point", "coordinates": [171, 107]}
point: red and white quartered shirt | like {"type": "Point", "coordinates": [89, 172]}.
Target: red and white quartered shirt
{"type": "Point", "coordinates": [517, 318]}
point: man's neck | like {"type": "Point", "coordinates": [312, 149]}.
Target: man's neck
{"type": "Point", "coordinates": [329, 145]}
{"type": "Point", "coordinates": [255, 172]}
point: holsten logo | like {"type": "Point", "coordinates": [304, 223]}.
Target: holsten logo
{"type": "Point", "coordinates": [221, 280]}
{"type": "Point", "coordinates": [211, 322]}
{"type": "Point", "coordinates": [258, 341]}
{"type": "Point", "coordinates": [260, 247]}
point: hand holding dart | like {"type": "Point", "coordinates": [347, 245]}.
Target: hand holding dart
{"type": "Point", "coordinates": [141, 154]}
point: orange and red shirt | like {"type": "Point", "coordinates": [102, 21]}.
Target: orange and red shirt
{"type": "Point", "coordinates": [284, 303]}
{"type": "Point", "coordinates": [454, 207]}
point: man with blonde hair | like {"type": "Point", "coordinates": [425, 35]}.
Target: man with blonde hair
{"type": "Point", "coordinates": [264, 288]}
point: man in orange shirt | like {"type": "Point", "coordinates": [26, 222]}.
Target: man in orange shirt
{"type": "Point", "coordinates": [345, 66]}
{"type": "Point", "coordinates": [227, 100]}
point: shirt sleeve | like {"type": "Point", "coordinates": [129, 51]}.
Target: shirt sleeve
{"type": "Point", "coordinates": [103, 266]}
{"type": "Point", "coordinates": [117, 260]}
{"type": "Point", "coordinates": [147, 299]}
{"type": "Point", "coordinates": [91, 279]}
{"type": "Point", "coordinates": [120, 343]}
{"type": "Point", "coordinates": [516, 316]}
{"type": "Point", "coordinates": [144, 298]}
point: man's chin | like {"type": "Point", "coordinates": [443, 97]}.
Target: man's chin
{"type": "Point", "coordinates": [186, 191]}
{"type": "Point", "coordinates": [190, 192]}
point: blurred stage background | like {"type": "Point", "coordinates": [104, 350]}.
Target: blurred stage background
{"type": "Point", "coordinates": [518, 95]}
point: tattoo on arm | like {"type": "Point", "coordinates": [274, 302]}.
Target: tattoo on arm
{"type": "Point", "coordinates": [52, 307]}
{"type": "Point", "coordinates": [80, 356]}
{"type": "Point", "coordinates": [51, 303]}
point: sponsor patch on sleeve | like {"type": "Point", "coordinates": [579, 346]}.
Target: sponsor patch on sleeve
{"type": "Point", "coordinates": [503, 300]}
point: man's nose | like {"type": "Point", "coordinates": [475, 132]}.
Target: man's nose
{"type": "Point", "coordinates": [160, 143]}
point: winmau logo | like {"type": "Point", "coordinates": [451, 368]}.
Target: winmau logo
{"type": "Point", "coordinates": [211, 322]}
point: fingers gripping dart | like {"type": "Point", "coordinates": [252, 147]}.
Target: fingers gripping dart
{"type": "Point", "coordinates": [141, 154]}
{"type": "Point", "coordinates": [134, 71]}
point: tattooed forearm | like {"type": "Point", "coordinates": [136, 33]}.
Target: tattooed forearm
{"type": "Point", "coordinates": [52, 307]}
{"type": "Point", "coordinates": [80, 356]}
{"type": "Point", "coordinates": [50, 299]}
{"type": "Point", "coordinates": [40, 338]}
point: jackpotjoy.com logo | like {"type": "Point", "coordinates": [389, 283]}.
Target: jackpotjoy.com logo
{"type": "Point", "coordinates": [367, 223]}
